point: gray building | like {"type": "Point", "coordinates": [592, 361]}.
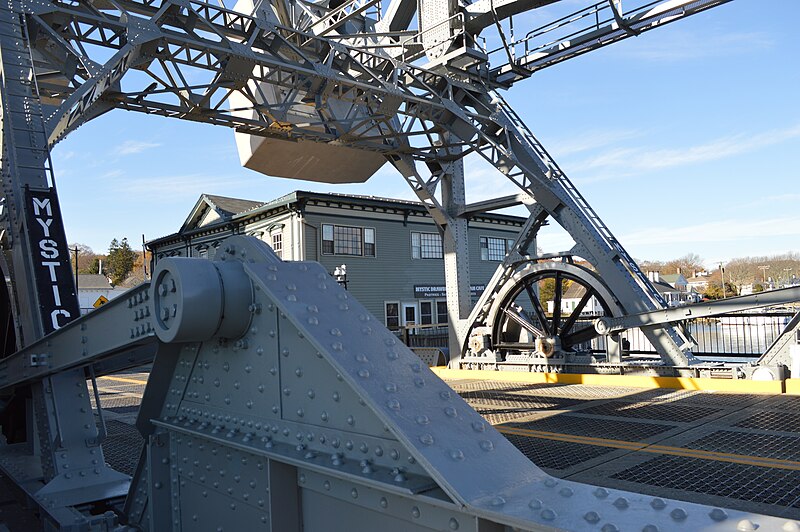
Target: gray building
{"type": "Point", "coordinates": [391, 248]}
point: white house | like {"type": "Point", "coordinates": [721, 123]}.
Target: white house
{"type": "Point", "coordinates": [95, 290]}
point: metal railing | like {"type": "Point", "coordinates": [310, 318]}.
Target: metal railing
{"type": "Point", "coordinates": [741, 334]}
{"type": "Point", "coordinates": [734, 335]}
{"type": "Point", "coordinates": [435, 335]}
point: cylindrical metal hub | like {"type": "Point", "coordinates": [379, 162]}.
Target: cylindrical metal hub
{"type": "Point", "coordinates": [197, 299]}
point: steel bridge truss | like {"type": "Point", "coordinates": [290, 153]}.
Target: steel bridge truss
{"type": "Point", "coordinates": [189, 59]}
{"type": "Point", "coordinates": [66, 62]}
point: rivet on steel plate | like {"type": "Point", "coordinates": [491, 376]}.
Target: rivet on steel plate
{"type": "Point", "coordinates": [548, 514]}
{"type": "Point", "coordinates": [621, 503]}
{"type": "Point", "coordinates": [658, 504]}
{"type": "Point", "coordinates": [746, 525]}
{"type": "Point", "coordinates": [591, 517]}
{"type": "Point", "coordinates": [678, 514]}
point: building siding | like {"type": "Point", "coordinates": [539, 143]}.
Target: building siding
{"type": "Point", "coordinates": [390, 276]}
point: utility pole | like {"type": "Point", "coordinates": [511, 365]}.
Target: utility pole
{"type": "Point", "coordinates": [76, 269]}
{"type": "Point", "coordinates": [144, 258]}
{"type": "Point", "coordinates": [722, 276]}
{"type": "Point", "coordinates": [764, 268]}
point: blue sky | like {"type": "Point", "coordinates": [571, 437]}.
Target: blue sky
{"type": "Point", "coordinates": [684, 139]}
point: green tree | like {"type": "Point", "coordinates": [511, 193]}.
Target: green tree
{"type": "Point", "coordinates": [120, 260]}
{"type": "Point", "coordinates": [714, 290]}
{"type": "Point", "coordinates": [758, 287]}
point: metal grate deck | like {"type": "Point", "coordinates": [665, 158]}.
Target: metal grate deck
{"type": "Point", "coordinates": [752, 444]}
{"type": "Point", "coordinates": [709, 477]}
{"type": "Point", "coordinates": [776, 421]}
{"type": "Point", "coordinates": [595, 428]}
{"type": "Point", "coordinates": [655, 411]}
{"type": "Point", "coordinates": [551, 454]}
{"type": "Point", "coordinates": [122, 447]}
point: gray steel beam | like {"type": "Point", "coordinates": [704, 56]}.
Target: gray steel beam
{"type": "Point", "coordinates": [494, 204]}
{"type": "Point", "coordinates": [709, 309]}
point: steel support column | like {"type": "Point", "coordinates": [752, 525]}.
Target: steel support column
{"type": "Point", "coordinates": [43, 298]}
{"type": "Point", "coordinates": [455, 243]}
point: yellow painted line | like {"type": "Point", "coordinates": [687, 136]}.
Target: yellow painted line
{"type": "Point", "coordinates": [122, 379]}
{"type": "Point", "coordinates": [656, 449]}
{"type": "Point", "coordinates": [631, 381]}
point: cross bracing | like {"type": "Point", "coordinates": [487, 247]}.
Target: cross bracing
{"type": "Point", "coordinates": [355, 74]}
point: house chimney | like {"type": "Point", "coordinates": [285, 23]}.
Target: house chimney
{"type": "Point", "coordinates": [100, 266]}
{"type": "Point", "coordinates": [679, 270]}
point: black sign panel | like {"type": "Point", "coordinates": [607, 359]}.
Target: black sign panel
{"type": "Point", "coordinates": [51, 262]}
{"type": "Point", "coordinates": [432, 291]}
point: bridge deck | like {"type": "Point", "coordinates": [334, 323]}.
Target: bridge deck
{"type": "Point", "coordinates": [723, 449]}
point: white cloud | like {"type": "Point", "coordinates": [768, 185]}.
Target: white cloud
{"type": "Point", "coordinates": [682, 45]}
{"type": "Point", "coordinates": [590, 140]}
{"type": "Point", "coordinates": [130, 147]}
{"type": "Point", "coordinates": [628, 161]}
{"type": "Point", "coordinates": [715, 231]}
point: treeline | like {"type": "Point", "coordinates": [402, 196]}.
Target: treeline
{"type": "Point", "coordinates": [122, 265]}
{"type": "Point", "coordinates": [760, 273]}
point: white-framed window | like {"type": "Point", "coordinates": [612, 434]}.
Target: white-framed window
{"type": "Point", "coordinates": [392, 314]}
{"type": "Point", "coordinates": [348, 240]}
{"type": "Point", "coordinates": [426, 246]}
{"type": "Point", "coordinates": [495, 249]}
{"type": "Point", "coordinates": [441, 312]}
{"type": "Point", "coordinates": [277, 243]}
{"type": "Point", "coordinates": [426, 312]}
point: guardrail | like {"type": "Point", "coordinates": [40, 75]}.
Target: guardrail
{"type": "Point", "coordinates": [734, 335]}
{"type": "Point", "coordinates": [741, 334]}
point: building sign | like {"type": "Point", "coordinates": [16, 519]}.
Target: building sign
{"type": "Point", "coordinates": [51, 264]}
{"type": "Point", "coordinates": [434, 291]}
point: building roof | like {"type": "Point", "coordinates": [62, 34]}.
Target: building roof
{"type": "Point", "coordinates": [93, 281]}
{"type": "Point", "coordinates": [224, 207]}
{"type": "Point", "coordinates": [233, 209]}
{"type": "Point", "coordinates": [672, 278]}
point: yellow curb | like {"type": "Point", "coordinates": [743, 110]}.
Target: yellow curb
{"type": "Point", "coordinates": [631, 381]}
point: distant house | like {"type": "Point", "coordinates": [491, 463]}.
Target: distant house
{"type": "Point", "coordinates": [95, 290]}
{"type": "Point", "coordinates": [698, 282]}
{"type": "Point", "coordinates": [676, 280]}
{"type": "Point", "coordinates": [570, 300]}
{"type": "Point", "coordinates": [674, 288]}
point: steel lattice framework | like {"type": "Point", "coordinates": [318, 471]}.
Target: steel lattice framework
{"type": "Point", "coordinates": [364, 77]}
